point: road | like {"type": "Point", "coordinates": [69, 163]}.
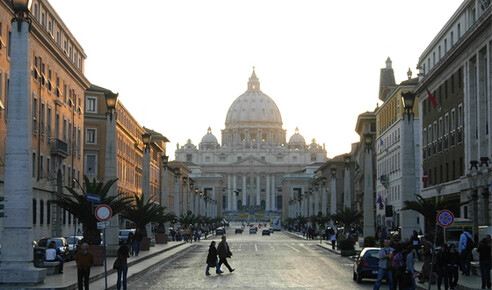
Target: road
{"type": "Point", "coordinates": [279, 261]}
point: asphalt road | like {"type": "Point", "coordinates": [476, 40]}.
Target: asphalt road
{"type": "Point", "coordinates": [278, 261]}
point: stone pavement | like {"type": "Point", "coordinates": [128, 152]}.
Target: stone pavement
{"type": "Point", "coordinates": [471, 282]}
{"type": "Point", "coordinates": [136, 265]}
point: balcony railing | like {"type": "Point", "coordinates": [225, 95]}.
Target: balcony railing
{"type": "Point", "coordinates": [59, 148]}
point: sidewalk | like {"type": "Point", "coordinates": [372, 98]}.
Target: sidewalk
{"type": "Point", "coordinates": [136, 265]}
{"type": "Point", "coordinates": [471, 282]}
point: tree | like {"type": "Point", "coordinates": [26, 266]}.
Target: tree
{"type": "Point", "coordinates": [144, 213]}
{"type": "Point", "coordinates": [347, 216]}
{"type": "Point", "coordinates": [430, 207]}
{"type": "Point", "coordinates": [78, 205]}
{"type": "Point", "coordinates": [187, 220]}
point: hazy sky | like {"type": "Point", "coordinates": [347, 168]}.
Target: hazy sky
{"type": "Point", "coordinates": [179, 65]}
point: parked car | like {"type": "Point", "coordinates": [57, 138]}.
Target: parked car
{"type": "Point", "coordinates": [123, 235]}
{"type": "Point", "coordinates": [265, 232]}
{"type": "Point", "coordinates": [73, 241]}
{"type": "Point", "coordinates": [60, 243]}
{"type": "Point", "coordinates": [220, 231]}
{"type": "Point", "coordinates": [253, 230]}
{"type": "Point", "coordinates": [271, 230]}
{"type": "Point", "coordinates": [239, 231]}
{"type": "Point", "coordinates": [366, 265]}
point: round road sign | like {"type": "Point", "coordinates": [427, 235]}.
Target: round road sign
{"type": "Point", "coordinates": [445, 218]}
{"type": "Point", "coordinates": [103, 212]}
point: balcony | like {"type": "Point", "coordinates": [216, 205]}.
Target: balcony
{"type": "Point", "coordinates": [59, 148]}
{"type": "Point", "coordinates": [384, 179]}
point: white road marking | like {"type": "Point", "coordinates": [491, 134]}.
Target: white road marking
{"type": "Point", "coordinates": [256, 248]}
{"type": "Point", "coordinates": [292, 248]}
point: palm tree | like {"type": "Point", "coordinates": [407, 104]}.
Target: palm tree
{"type": "Point", "coordinates": [77, 204]}
{"type": "Point", "coordinates": [188, 219]}
{"type": "Point", "coordinates": [347, 216]}
{"type": "Point", "coordinates": [144, 213]}
{"type": "Point", "coordinates": [430, 207]}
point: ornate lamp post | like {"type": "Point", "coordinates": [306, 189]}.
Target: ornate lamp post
{"type": "Point", "coordinates": [408, 219]}
{"type": "Point", "coordinates": [17, 233]}
{"type": "Point", "coordinates": [333, 191]}
{"type": "Point", "coordinates": [368, 187]}
{"type": "Point", "coordinates": [473, 181]}
{"type": "Point", "coordinates": [347, 200]}
{"type": "Point", "coordinates": [164, 182]}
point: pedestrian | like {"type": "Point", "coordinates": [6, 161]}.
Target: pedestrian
{"type": "Point", "coordinates": [84, 261]}
{"type": "Point", "coordinates": [385, 265]}
{"type": "Point", "coordinates": [212, 260]}
{"type": "Point", "coordinates": [399, 265]}
{"type": "Point", "coordinates": [333, 239]}
{"type": "Point", "coordinates": [453, 265]}
{"type": "Point", "coordinates": [53, 253]}
{"type": "Point", "coordinates": [427, 257]}
{"type": "Point", "coordinates": [485, 261]}
{"type": "Point", "coordinates": [415, 239]}
{"type": "Point", "coordinates": [224, 253]}
{"type": "Point", "coordinates": [122, 255]}
{"type": "Point", "coordinates": [410, 267]}
{"type": "Point", "coordinates": [137, 240]}
{"type": "Point", "coordinates": [131, 242]}
{"type": "Point", "coordinates": [466, 246]}
{"type": "Point", "coordinates": [442, 267]}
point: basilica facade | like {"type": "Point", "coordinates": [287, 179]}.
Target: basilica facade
{"type": "Point", "coordinates": [250, 172]}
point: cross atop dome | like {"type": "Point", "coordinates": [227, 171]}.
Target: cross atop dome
{"type": "Point", "coordinates": [254, 82]}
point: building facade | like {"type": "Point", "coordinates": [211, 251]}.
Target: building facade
{"type": "Point", "coordinates": [57, 84]}
{"type": "Point", "coordinates": [246, 171]}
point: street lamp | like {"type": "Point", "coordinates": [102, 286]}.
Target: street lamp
{"type": "Point", "coordinates": [21, 10]}
{"type": "Point", "coordinates": [165, 160]}
{"type": "Point", "coordinates": [111, 101]}
{"type": "Point", "coordinates": [408, 99]}
{"type": "Point", "coordinates": [333, 171]}
{"type": "Point", "coordinates": [146, 140]}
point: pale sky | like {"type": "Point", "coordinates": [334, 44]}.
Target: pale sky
{"type": "Point", "coordinates": [179, 65]}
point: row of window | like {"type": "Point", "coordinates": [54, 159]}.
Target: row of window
{"type": "Point", "coordinates": [391, 194]}
{"type": "Point", "coordinates": [42, 169]}
{"type": "Point", "coordinates": [51, 25]}
{"type": "Point", "coordinates": [448, 172]}
{"type": "Point", "coordinates": [443, 127]}
{"type": "Point", "coordinates": [66, 217]}
{"type": "Point", "coordinates": [390, 164]}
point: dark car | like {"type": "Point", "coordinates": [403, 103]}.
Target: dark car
{"type": "Point", "coordinates": [366, 265]}
{"type": "Point", "coordinates": [253, 230]}
{"type": "Point", "coordinates": [265, 232]}
{"type": "Point", "coordinates": [123, 235]}
{"type": "Point", "coordinates": [239, 231]}
{"type": "Point", "coordinates": [60, 243]}
{"type": "Point", "coordinates": [220, 231]}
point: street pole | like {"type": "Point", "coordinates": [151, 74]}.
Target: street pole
{"type": "Point", "coordinates": [433, 255]}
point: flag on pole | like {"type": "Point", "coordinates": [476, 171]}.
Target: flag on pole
{"type": "Point", "coordinates": [433, 101]}
{"type": "Point", "coordinates": [380, 202]}
{"type": "Point", "coordinates": [425, 177]}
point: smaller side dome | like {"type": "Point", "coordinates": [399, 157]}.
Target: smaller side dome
{"type": "Point", "coordinates": [209, 141]}
{"type": "Point", "coordinates": [297, 139]}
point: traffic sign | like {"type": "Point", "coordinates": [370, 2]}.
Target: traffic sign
{"type": "Point", "coordinates": [445, 218]}
{"type": "Point", "coordinates": [93, 197]}
{"type": "Point", "coordinates": [103, 212]}
{"type": "Point", "coordinates": [103, 225]}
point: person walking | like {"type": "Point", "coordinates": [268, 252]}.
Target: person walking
{"type": "Point", "coordinates": [130, 242]}
{"type": "Point", "coordinates": [137, 240]}
{"type": "Point", "coordinates": [224, 253]}
{"type": "Point", "coordinates": [465, 250]}
{"type": "Point", "coordinates": [453, 265]}
{"type": "Point", "coordinates": [333, 239]}
{"type": "Point", "coordinates": [410, 267]}
{"type": "Point", "coordinates": [212, 259]}
{"type": "Point", "coordinates": [385, 266]}
{"type": "Point", "coordinates": [485, 261]}
{"type": "Point", "coordinates": [122, 255]}
{"type": "Point", "coordinates": [442, 267]}
{"type": "Point", "coordinates": [84, 261]}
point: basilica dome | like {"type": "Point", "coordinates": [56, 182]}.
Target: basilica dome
{"type": "Point", "coordinates": [297, 139]}
{"type": "Point", "coordinates": [209, 140]}
{"type": "Point", "coordinates": [253, 109]}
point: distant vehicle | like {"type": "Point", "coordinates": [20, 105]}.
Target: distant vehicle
{"type": "Point", "coordinates": [271, 230]}
{"type": "Point", "coordinates": [277, 224]}
{"type": "Point", "coordinates": [239, 231]}
{"type": "Point", "coordinates": [73, 241]}
{"type": "Point", "coordinates": [253, 230]}
{"type": "Point", "coordinates": [265, 232]}
{"type": "Point", "coordinates": [60, 243]}
{"type": "Point", "coordinates": [220, 231]}
{"type": "Point", "coordinates": [366, 265]}
{"type": "Point", "coordinates": [123, 235]}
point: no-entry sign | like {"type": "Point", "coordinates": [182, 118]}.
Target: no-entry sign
{"type": "Point", "coordinates": [445, 218]}
{"type": "Point", "coordinates": [103, 212]}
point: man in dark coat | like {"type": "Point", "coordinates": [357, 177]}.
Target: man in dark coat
{"type": "Point", "coordinates": [224, 253]}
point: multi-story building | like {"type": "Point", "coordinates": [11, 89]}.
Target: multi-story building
{"type": "Point", "coordinates": [248, 167]}
{"type": "Point", "coordinates": [388, 147]}
{"type": "Point", "coordinates": [455, 95]}
{"type": "Point", "coordinates": [129, 147]}
{"type": "Point", "coordinates": [57, 83]}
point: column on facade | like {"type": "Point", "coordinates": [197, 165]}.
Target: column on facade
{"type": "Point", "coordinates": [310, 205]}
{"type": "Point", "coordinates": [186, 197]}
{"type": "Point", "coordinates": [234, 189]}
{"type": "Point", "coordinates": [316, 201]}
{"type": "Point", "coordinates": [333, 199]}
{"type": "Point", "coordinates": [274, 194]}
{"type": "Point", "coordinates": [176, 196]}
{"type": "Point", "coordinates": [267, 198]}
{"type": "Point", "coordinates": [324, 199]}
{"type": "Point", "coordinates": [245, 188]}
{"type": "Point", "coordinates": [164, 188]}
{"type": "Point", "coordinates": [145, 187]}
{"type": "Point", "coordinates": [368, 194]}
{"type": "Point", "coordinates": [347, 199]}
{"type": "Point", "coordinates": [229, 193]}
{"type": "Point", "coordinates": [258, 190]}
